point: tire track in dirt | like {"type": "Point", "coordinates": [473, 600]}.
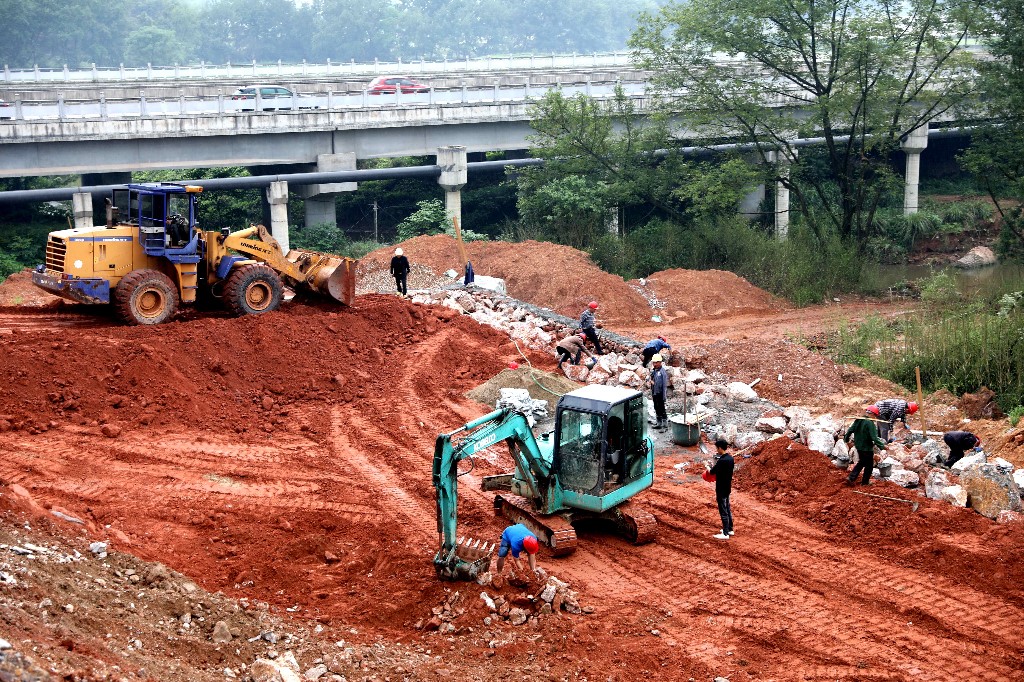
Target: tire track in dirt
{"type": "Point", "coordinates": [964, 609]}
{"type": "Point", "coordinates": [75, 470]}
{"type": "Point", "coordinates": [813, 608]}
{"type": "Point", "coordinates": [402, 439]}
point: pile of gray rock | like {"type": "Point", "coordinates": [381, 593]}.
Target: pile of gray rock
{"type": "Point", "coordinates": [991, 487]}
{"type": "Point", "coordinates": [526, 608]}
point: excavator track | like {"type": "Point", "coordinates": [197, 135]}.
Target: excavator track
{"type": "Point", "coordinates": [635, 523]}
{"type": "Point", "coordinates": [554, 531]}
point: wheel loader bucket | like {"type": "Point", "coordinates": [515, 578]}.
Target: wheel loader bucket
{"type": "Point", "coordinates": [467, 560]}
{"type": "Point", "coordinates": [326, 273]}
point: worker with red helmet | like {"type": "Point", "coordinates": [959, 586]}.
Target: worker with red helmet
{"type": "Point", "coordinates": [571, 348]}
{"type": "Point", "coordinates": [889, 410]}
{"type": "Point", "coordinates": [865, 438]}
{"type": "Point", "coordinates": [588, 322]}
{"type": "Point", "coordinates": [516, 539]}
{"type": "Point", "coordinates": [654, 347]}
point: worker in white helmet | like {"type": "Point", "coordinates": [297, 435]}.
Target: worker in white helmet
{"type": "Point", "coordinates": [400, 270]}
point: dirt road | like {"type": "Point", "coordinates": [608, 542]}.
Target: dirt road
{"type": "Point", "coordinates": [287, 459]}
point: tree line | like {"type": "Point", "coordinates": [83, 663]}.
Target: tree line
{"type": "Point", "coordinates": [52, 33]}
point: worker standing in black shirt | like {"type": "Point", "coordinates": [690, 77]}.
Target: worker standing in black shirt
{"type": "Point", "coordinates": [721, 473]}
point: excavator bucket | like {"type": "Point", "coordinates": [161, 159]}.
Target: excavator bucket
{"type": "Point", "coordinates": [467, 560]}
{"type": "Point", "coordinates": [326, 273]}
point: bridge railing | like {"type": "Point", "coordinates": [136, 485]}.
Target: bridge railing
{"type": "Point", "coordinates": [256, 70]}
{"type": "Point", "coordinates": [224, 104]}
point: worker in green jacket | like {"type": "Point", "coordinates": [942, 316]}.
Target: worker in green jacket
{"type": "Point", "coordinates": [865, 437]}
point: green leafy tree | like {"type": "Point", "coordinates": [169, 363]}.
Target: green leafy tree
{"type": "Point", "coordinates": [858, 74]}
{"type": "Point", "coordinates": [996, 157]}
{"type": "Point", "coordinates": [429, 218]}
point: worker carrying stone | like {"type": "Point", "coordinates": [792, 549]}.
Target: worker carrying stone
{"type": "Point", "coordinates": [571, 348]}
{"type": "Point", "coordinates": [865, 438]}
{"type": "Point", "coordinates": [588, 322]}
{"type": "Point", "coordinates": [514, 540]}
{"type": "Point", "coordinates": [888, 411]}
{"type": "Point", "coordinates": [958, 443]}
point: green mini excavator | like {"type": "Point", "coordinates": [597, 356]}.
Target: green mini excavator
{"type": "Point", "coordinates": [597, 458]}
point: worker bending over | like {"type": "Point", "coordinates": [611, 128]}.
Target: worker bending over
{"type": "Point", "coordinates": [958, 442]}
{"type": "Point", "coordinates": [571, 348]}
{"type": "Point", "coordinates": [515, 539]}
{"type": "Point", "coordinates": [888, 411]}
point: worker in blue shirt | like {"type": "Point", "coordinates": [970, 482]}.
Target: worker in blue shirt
{"type": "Point", "coordinates": [515, 539]}
{"type": "Point", "coordinates": [654, 347]}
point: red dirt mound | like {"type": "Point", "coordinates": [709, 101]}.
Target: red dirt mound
{"type": "Point", "coordinates": [548, 275]}
{"type": "Point", "coordinates": [18, 289]}
{"type": "Point", "coordinates": [806, 376]}
{"type": "Point", "coordinates": [937, 537]}
{"type": "Point", "coordinates": [707, 294]}
{"type": "Point", "coordinates": [236, 374]}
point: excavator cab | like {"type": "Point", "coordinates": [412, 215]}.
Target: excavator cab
{"type": "Point", "coordinates": [602, 444]}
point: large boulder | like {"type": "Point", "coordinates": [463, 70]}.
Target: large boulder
{"type": "Point", "coordinates": [797, 417]}
{"type": "Point", "coordinates": [746, 439]}
{"type": "Point", "coordinates": [840, 455]}
{"type": "Point", "coordinates": [822, 441]}
{"type": "Point", "coordinates": [931, 451]}
{"type": "Point", "coordinates": [737, 390]}
{"type": "Point", "coordinates": [577, 373]}
{"type": "Point", "coordinates": [990, 490]}
{"type": "Point", "coordinates": [771, 424]}
{"type": "Point", "coordinates": [905, 478]}
{"type": "Point", "coordinates": [977, 257]}
{"type": "Point", "coordinates": [934, 484]}
{"type": "Point", "coordinates": [955, 495]}
{"type": "Point", "coordinates": [968, 463]}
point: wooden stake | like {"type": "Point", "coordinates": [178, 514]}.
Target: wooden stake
{"type": "Point", "coordinates": [920, 400]}
{"type": "Point", "coordinates": [458, 238]}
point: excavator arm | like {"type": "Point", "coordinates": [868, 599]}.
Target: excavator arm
{"type": "Point", "coordinates": [460, 558]}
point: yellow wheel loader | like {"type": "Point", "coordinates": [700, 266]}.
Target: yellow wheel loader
{"type": "Point", "coordinates": [150, 257]}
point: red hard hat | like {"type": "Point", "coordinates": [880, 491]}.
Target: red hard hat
{"type": "Point", "coordinates": [582, 335]}
{"type": "Point", "coordinates": [662, 338]}
{"type": "Point", "coordinates": [593, 305]}
{"type": "Point", "coordinates": [911, 408]}
{"type": "Point", "coordinates": [872, 409]}
{"type": "Point", "coordinates": [530, 544]}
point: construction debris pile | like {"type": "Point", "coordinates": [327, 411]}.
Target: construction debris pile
{"type": "Point", "coordinates": [512, 601]}
{"type": "Point", "coordinates": [992, 488]}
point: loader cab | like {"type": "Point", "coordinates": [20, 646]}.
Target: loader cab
{"type": "Point", "coordinates": [164, 212]}
{"type": "Point", "coordinates": [601, 442]}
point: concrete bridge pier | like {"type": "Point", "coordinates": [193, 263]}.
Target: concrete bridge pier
{"type": "Point", "coordinates": [81, 205]}
{"type": "Point", "coordinates": [319, 199]}
{"type": "Point", "coordinates": [99, 199]}
{"type": "Point", "coordinates": [454, 173]}
{"type": "Point", "coordinates": [782, 197]}
{"type": "Point", "coordinates": [913, 144]}
{"type": "Point", "coordinates": [277, 198]}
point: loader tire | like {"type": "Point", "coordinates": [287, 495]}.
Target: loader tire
{"type": "Point", "coordinates": [253, 290]}
{"type": "Point", "coordinates": [145, 297]}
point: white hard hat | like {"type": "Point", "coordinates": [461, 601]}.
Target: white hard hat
{"type": "Point", "coordinates": [656, 358]}
{"type": "Point", "coordinates": [398, 252]}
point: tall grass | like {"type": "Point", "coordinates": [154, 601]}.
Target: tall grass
{"type": "Point", "coordinates": [959, 346]}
